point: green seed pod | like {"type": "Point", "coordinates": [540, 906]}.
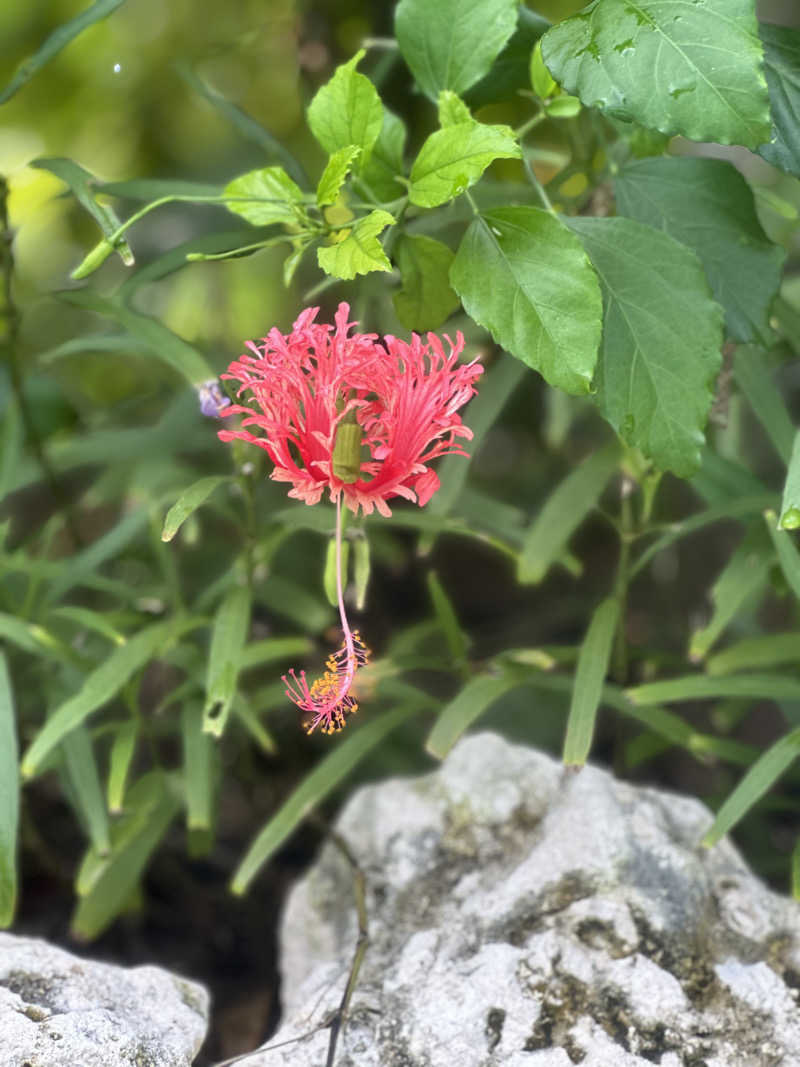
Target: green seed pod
{"type": "Point", "coordinates": [329, 576]}
{"type": "Point", "coordinates": [361, 569]}
{"type": "Point", "coordinates": [347, 451]}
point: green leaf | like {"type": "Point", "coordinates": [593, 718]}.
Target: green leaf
{"type": "Point", "coordinates": [335, 174]}
{"type": "Point", "coordinates": [542, 81]}
{"type": "Point", "coordinates": [744, 576]}
{"type": "Point", "coordinates": [426, 298]}
{"type": "Point", "coordinates": [662, 334]}
{"type": "Point", "coordinates": [767, 650]}
{"type": "Point", "coordinates": [761, 777]}
{"type": "Point", "coordinates": [790, 505]}
{"type": "Point", "coordinates": [228, 637]}
{"type": "Point", "coordinates": [198, 768]}
{"type": "Point", "coordinates": [9, 799]}
{"type": "Point", "coordinates": [188, 502]}
{"type": "Point", "coordinates": [265, 196]}
{"type": "Point", "coordinates": [360, 252]}
{"type": "Point", "coordinates": [347, 111]}
{"type": "Point", "coordinates": [81, 770]}
{"type": "Point", "coordinates": [244, 712]}
{"type": "Point", "coordinates": [707, 205]}
{"type": "Point", "coordinates": [271, 650]}
{"type": "Point", "coordinates": [119, 764]}
{"type": "Point", "coordinates": [83, 185]}
{"type": "Point", "coordinates": [457, 641]}
{"type": "Point", "coordinates": [30, 637]}
{"type": "Point", "coordinates": [589, 676]}
{"type": "Point", "coordinates": [98, 688]}
{"type": "Point", "coordinates": [782, 68]}
{"type": "Point", "coordinates": [157, 188]}
{"type": "Point", "coordinates": [475, 698]}
{"type": "Point", "coordinates": [452, 44]}
{"type": "Point", "coordinates": [163, 343]}
{"type": "Point", "coordinates": [786, 548]}
{"type": "Point", "coordinates": [702, 687]}
{"type": "Point", "coordinates": [698, 74]}
{"type": "Point", "coordinates": [452, 109]}
{"type": "Point", "coordinates": [453, 159]}
{"type": "Point", "coordinates": [327, 774]}
{"type": "Point", "coordinates": [385, 162]}
{"type": "Point", "coordinates": [543, 304]}
{"type": "Point", "coordinates": [753, 374]}
{"type": "Point", "coordinates": [58, 39]}
{"type": "Point", "coordinates": [106, 884]}
{"type": "Point", "coordinates": [564, 510]}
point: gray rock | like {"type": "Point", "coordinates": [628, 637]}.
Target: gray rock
{"type": "Point", "coordinates": [524, 916]}
{"type": "Point", "coordinates": [57, 1010]}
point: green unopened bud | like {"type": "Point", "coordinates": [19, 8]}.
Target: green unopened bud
{"type": "Point", "coordinates": [541, 78]}
{"type": "Point", "coordinates": [563, 107]}
{"type": "Point", "coordinates": [96, 258]}
{"type": "Point", "coordinates": [329, 577]}
{"type": "Point", "coordinates": [790, 519]}
{"type": "Point", "coordinates": [346, 459]}
{"type": "Point", "coordinates": [361, 569]}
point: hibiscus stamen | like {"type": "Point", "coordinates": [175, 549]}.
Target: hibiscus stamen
{"type": "Point", "coordinates": [328, 701]}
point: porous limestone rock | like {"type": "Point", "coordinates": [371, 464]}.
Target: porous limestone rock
{"type": "Point", "coordinates": [525, 916]}
{"type": "Point", "coordinates": [58, 1010]}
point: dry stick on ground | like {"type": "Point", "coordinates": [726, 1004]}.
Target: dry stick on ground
{"type": "Point", "coordinates": [336, 1020]}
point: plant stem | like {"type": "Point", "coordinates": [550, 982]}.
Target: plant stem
{"type": "Point", "coordinates": [545, 199]}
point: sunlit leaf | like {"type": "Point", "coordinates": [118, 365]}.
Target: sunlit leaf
{"type": "Point", "coordinates": [472, 701]}
{"type": "Point", "coordinates": [198, 768]}
{"type": "Point", "coordinates": [119, 764]}
{"type": "Point", "coordinates": [347, 111]}
{"type": "Point", "coordinates": [360, 252]}
{"type": "Point", "coordinates": [265, 196]}
{"type": "Point", "coordinates": [228, 637]}
{"type": "Point", "coordinates": [453, 159]}
{"type": "Point", "coordinates": [766, 650]}
{"type": "Point", "coordinates": [703, 687]}
{"type": "Point", "coordinates": [335, 174]}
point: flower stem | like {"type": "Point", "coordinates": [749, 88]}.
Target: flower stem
{"type": "Point", "coordinates": [545, 199]}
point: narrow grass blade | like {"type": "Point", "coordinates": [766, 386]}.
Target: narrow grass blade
{"type": "Point", "coordinates": [160, 342]}
{"type": "Point", "coordinates": [767, 650]}
{"type": "Point", "coordinates": [563, 511]}
{"type": "Point", "coordinates": [9, 799]}
{"type": "Point", "coordinates": [743, 577]}
{"type": "Point", "coordinates": [80, 767]}
{"type": "Point", "coordinates": [790, 505]}
{"type": "Point", "coordinates": [244, 711]}
{"type": "Point", "coordinates": [761, 777]}
{"type": "Point", "coordinates": [448, 621]}
{"type": "Point", "coordinates": [58, 39]}
{"type": "Point", "coordinates": [198, 756]}
{"type": "Point", "coordinates": [108, 883]}
{"type": "Point", "coordinates": [754, 375]}
{"type": "Point", "coordinates": [328, 774]}
{"type": "Point", "coordinates": [30, 637]}
{"type": "Point", "coordinates": [99, 687]}
{"type": "Point", "coordinates": [245, 125]}
{"type": "Point", "coordinates": [732, 509]}
{"type": "Point", "coordinates": [273, 650]}
{"type": "Point", "coordinates": [83, 186]}
{"type": "Point", "coordinates": [86, 619]}
{"type": "Point", "coordinates": [228, 636]}
{"type": "Point", "coordinates": [788, 556]}
{"type": "Point", "coordinates": [457, 716]}
{"type": "Point", "coordinates": [703, 687]}
{"type": "Point", "coordinates": [589, 675]}
{"type": "Point", "coordinates": [122, 751]}
{"type": "Point", "coordinates": [188, 502]}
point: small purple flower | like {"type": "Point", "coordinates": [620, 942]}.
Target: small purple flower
{"type": "Point", "coordinates": [212, 400]}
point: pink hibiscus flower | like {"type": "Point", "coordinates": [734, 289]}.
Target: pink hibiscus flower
{"type": "Point", "coordinates": [362, 418]}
